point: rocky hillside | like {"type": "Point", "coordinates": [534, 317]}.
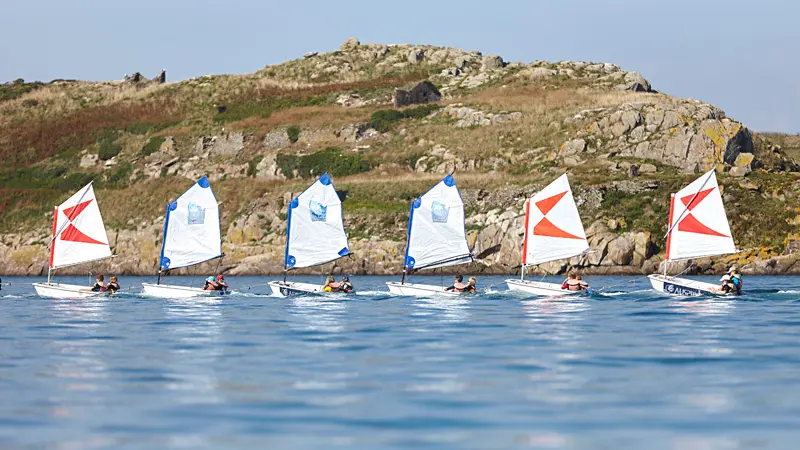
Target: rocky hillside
{"type": "Point", "coordinates": [508, 129]}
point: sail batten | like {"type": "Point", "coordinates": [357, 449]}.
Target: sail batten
{"type": "Point", "coordinates": [79, 234]}
{"type": "Point", "coordinates": [436, 232]}
{"type": "Point", "coordinates": [191, 228]}
{"type": "Point", "coordinates": [698, 225]}
{"type": "Point", "coordinates": [315, 227]}
{"type": "Point", "coordinates": [553, 228]}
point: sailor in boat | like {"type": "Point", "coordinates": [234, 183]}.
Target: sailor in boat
{"type": "Point", "coordinates": [732, 282]}
{"type": "Point", "coordinates": [458, 285]}
{"type": "Point", "coordinates": [221, 284]}
{"type": "Point", "coordinates": [574, 283]}
{"type": "Point", "coordinates": [210, 284]}
{"type": "Point", "coordinates": [99, 284]}
{"type": "Point", "coordinates": [346, 285]}
{"type": "Point", "coordinates": [331, 285]}
{"type": "Point", "coordinates": [471, 285]}
{"type": "Point", "coordinates": [113, 284]}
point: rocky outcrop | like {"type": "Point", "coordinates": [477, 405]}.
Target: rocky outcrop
{"type": "Point", "coordinates": [688, 135]}
{"type": "Point", "coordinates": [469, 117]}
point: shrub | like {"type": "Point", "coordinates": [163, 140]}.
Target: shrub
{"type": "Point", "coordinates": [152, 145]}
{"type": "Point", "coordinates": [119, 178]}
{"type": "Point", "coordinates": [331, 160]}
{"type": "Point", "coordinates": [293, 132]}
{"type": "Point", "coordinates": [252, 166]}
{"type": "Point", "coordinates": [384, 119]}
{"type": "Point", "coordinates": [109, 147]}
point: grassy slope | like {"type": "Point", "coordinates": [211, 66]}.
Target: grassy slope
{"type": "Point", "coordinates": [44, 130]}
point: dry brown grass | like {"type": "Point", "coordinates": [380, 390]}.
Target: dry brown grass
{"type": "Point", "coordinates": [30, 141]}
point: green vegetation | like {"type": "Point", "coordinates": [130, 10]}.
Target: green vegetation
{"type": "Point", "coordinates": [252, 166]}
{"type": "Point", "coordinates": [149, 127]}
{"type": "Point", "coordinates": [119, 178]}
{"type": "Point", "coordinates": [641, 211]}
{"type": "Point", "coordinates": [384, 119]}
{"type": "Point", "coordinates": [293, 132]}
{"type": "Point", "coordinates": [263, 109]}
{"type": "Point", "coordinates": [152, 145]}
{"type": "Point", "coordinates": [109, 147]}
{"type": "Point", "coordinates": [44, 178]}
{"type": "Point", "coordinates": [16, 88]}
{"type": "Point", "coordinates": [331, 160]}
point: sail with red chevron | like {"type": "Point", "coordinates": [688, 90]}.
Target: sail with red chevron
{"type": "Point", "coordinates": [79, 234]}
{"type": "Point", "coordinates": [698, 226]}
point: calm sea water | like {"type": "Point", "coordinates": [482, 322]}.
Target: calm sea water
{"type": "Point", "coordinates": [627, 368]}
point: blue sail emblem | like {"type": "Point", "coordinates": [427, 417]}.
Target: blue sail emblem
{"type": "Point", "coordinates": [197, 214]}
{"type": "Point", "coordinates": [439, 212]}
{"type": "Point", "coordinates": [318, 211]}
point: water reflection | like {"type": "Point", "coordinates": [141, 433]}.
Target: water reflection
{"type": "Point", "coordinates": [446, 309]}
{"type": "Point", "coordinates": [320, 314]}
{"type": "Point", "coordinates": [78, 331]}
{"type": "Point", "coordinates": [195, 333]}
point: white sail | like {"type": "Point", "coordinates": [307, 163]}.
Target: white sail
{"type": "Point", "coordinates": [191, 228]}
{"type": "Point", "coordinates": [315, 232]}
{"type": "Point", "coordinates": [553, 228]}
{"type": "Point", "coordinates": [79, 234]}
{"type": "Point", "coordinates": [698, 224]}
{"type": "Point", "coordinates": [436, 234]}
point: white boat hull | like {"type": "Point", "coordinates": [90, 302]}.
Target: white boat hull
{"type": "Point", "coordinates": [56, 290]}
{"type": "Point", "coordinates": [288, 288]}
{"type": "Point", "coordinates": [683, 287]}
{"type": "Point", "coordinates": [169, 291]}
{"type": "Point", "coordinates": [420, 290]}
{"type": "Point", "coordinates": [539, 288]}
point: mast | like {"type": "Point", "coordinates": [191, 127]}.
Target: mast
{"type": "Point", "coordinates": [164, 242]}
{"type": "Point", "coordinates": [288, 233]}
{"type": "Point", "coordinates": [52, 245]}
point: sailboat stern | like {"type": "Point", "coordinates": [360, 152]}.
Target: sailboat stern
{"type": "Point", "coordinates": [538, 288]}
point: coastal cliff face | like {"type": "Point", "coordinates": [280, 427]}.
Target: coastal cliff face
{"type": "Point", "coordinates": [508, 129]}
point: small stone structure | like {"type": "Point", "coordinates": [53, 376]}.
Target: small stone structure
{"type": "Point", "coordinates": [161, 78]}
{"type": "Point", "coordinates": [424, 92]}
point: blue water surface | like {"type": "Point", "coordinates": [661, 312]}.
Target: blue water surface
{"type": "Point", "coordinates": [624, 368]}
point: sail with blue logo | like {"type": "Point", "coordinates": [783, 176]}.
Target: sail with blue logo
{"type": "Point", "coordinates": [315, 233]}
{"type": "Point", "coordinates": [191, 228]}
{"type": "Point", "coordinates": [436, 232]}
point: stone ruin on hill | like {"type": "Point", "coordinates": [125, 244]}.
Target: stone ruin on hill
{"type": "Point", "coordinates": [137, 77]}
{"type": "Point", "coordinates": [423, 92]}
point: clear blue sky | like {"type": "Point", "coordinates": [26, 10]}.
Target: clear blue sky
{"type": "Point", "coordinates": [739, 55]}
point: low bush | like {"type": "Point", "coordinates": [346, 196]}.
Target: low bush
{"type": "Point", "coordinates": [152, 145]}
{"type": "Point", "coordinates": [293, 133]}
{"type": "Point", "coordinates": [332, 160]}
{"type": "Point", "coordinates": [384, 119]}
{"type": "Point", "coordinates": [252, 166]}
{"type": "Point", "coordinates": [109, 147]}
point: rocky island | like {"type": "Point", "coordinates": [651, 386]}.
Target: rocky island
{"type": "Point", "coordinates": [387, 121]}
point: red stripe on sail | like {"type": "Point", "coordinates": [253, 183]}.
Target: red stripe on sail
{"type": "Point", "coordinates": [697, 198]}
{"type": "Point", "coordinates": [525, 242]}
{"type": "Point", "coordinates": [74, 211]}
{"type": "Point", "coordinates": [546, 228]}
{"type": "Point", "coordinates": [545, 205]}
{"type": "Point", "coordinates": [53, 243]}
{"type": "Point", "coordinates": [690, 224]}
{"type": "Point", "coordinates": [74, 235]}
{"type": "Point", "coordinates": [671, 211]}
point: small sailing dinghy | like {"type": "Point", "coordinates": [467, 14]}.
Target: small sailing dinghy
{"type": "Point", "coordinates": [191, 236]}
{"type": "Point", "coordinates": [553, 231]}
{"type": "Point", "coordinates": [436, 238]}
{"type": "Point", "coordinates": [79, 236]}
{"type": "Point", "coordinates": [698, 227]}
{"type": "Point", "coordinates": [314, 235]}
